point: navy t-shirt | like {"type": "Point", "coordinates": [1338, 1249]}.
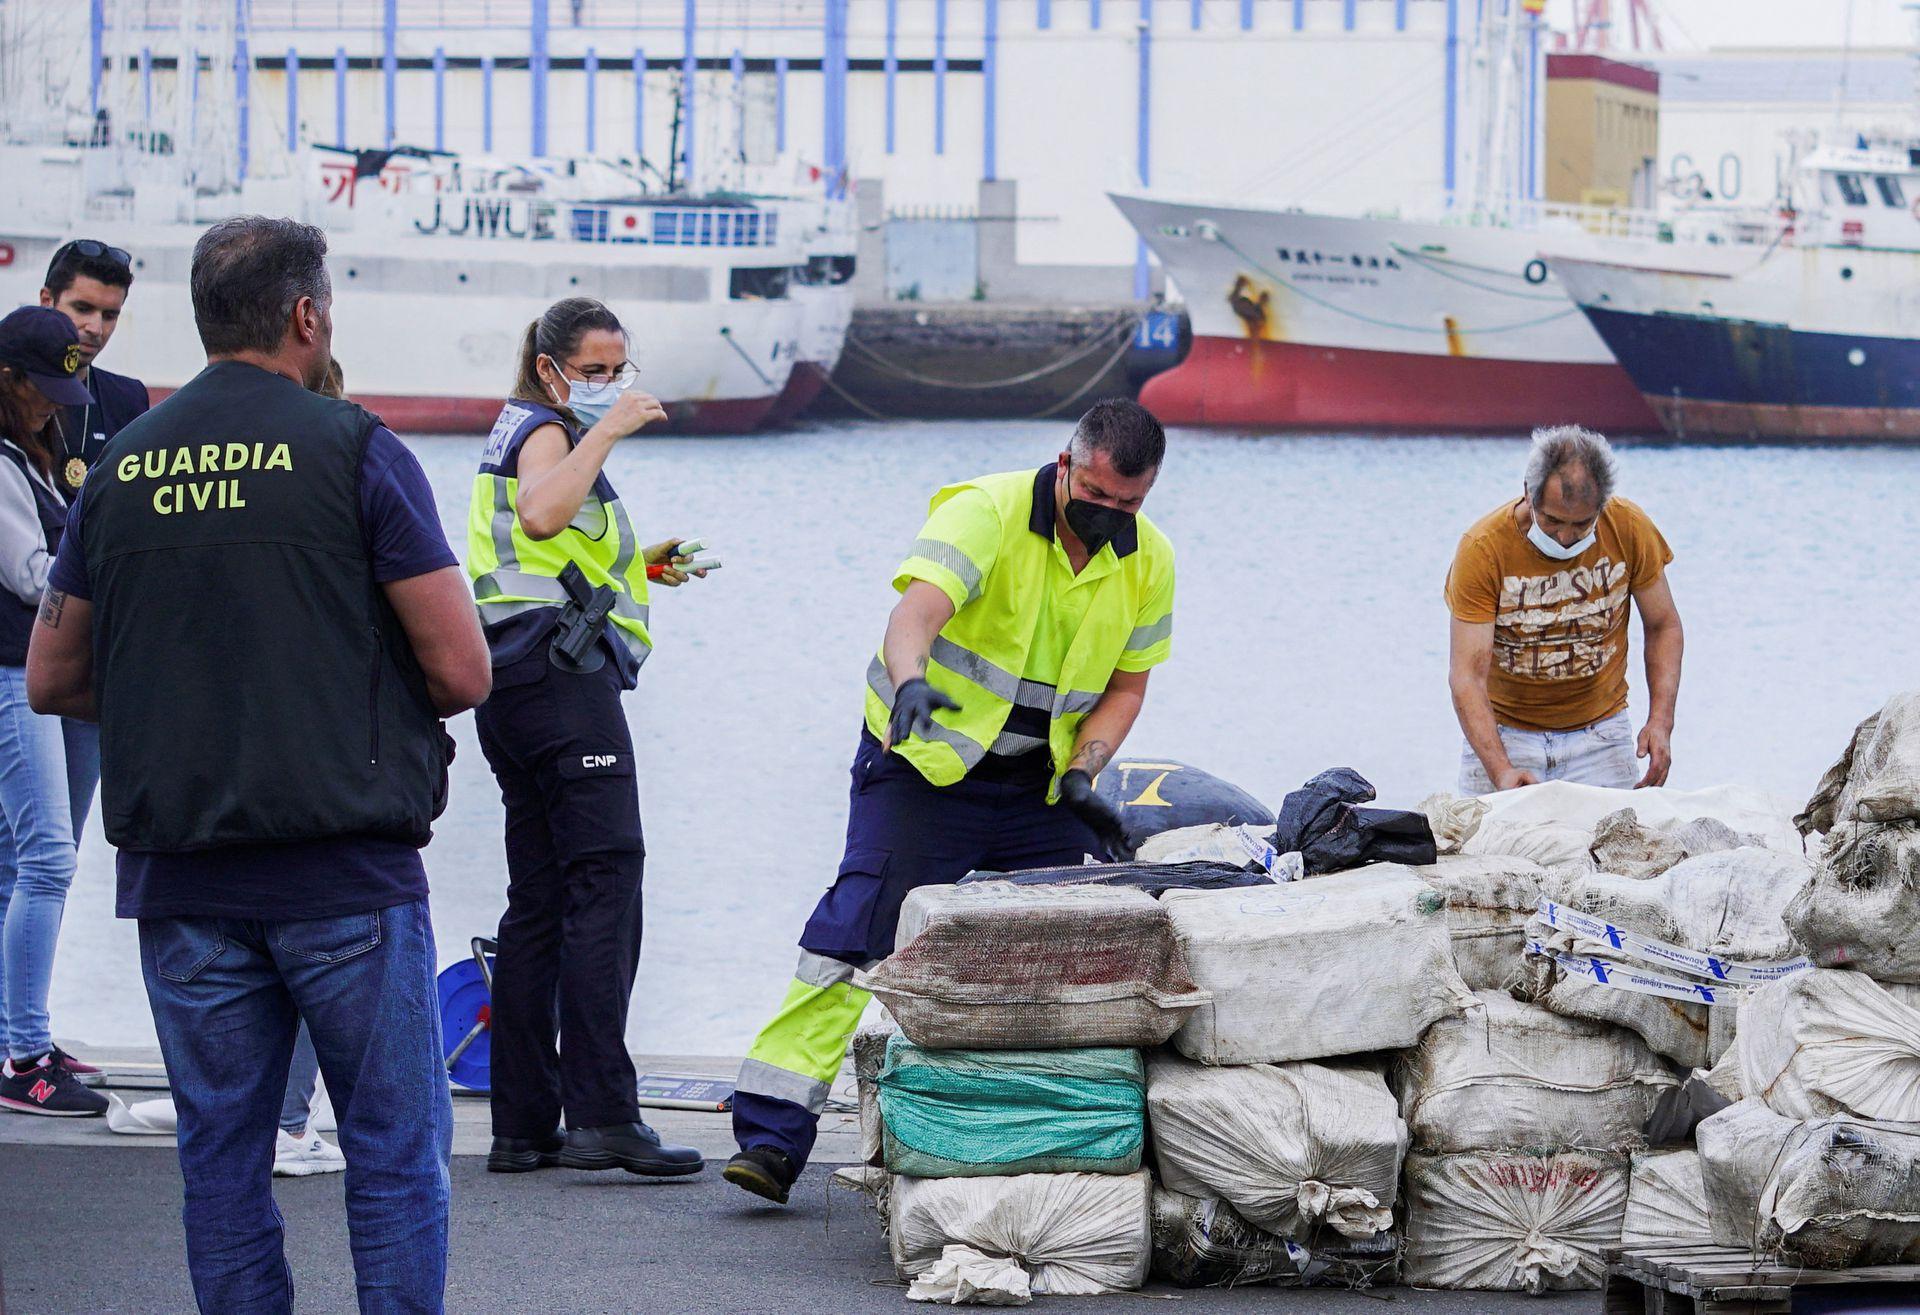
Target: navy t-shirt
{"type": "Point", "coordinates": [83, 430]}
{"type": "Point", "coordinates": [305, 879]}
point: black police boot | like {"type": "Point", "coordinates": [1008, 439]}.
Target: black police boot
{"type": "Point", "coordinates": [631, 1146]}
{"type": "Point", "coordinates": [525, 1154]}
{"type": "Point", "coordinates": [762, 1171]}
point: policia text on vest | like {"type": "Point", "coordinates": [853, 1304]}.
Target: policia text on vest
{"type": "Point", "coordinates": [225, 462]}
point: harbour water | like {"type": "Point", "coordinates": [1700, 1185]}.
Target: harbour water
{"type": "Point", "coordinates": [1309, 633]}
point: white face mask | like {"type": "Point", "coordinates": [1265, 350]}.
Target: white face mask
{"type": "Point", "coordinates": [591, 399]}
{"type": "Point", "coordinates": [1553, 548]}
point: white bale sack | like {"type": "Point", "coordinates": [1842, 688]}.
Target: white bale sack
{"type": "Point", "coordinates": [1489, 900]}
{"type": "Point", "coordinates": [1550, 844]}
{"type": "Point", "coordinates": [1879, 774]}
{"type": "Point", "coordinates": [966, 1277]}
{"type": "Point", "coordinates": [1510, 1221]}
{"type": "Point", "coordinates": [1292, 1147]}
{"type": "Point", "coordinates": [1453, 819]}
{"type": "Point", "coordinates": [1511, 1075]}
{"type": "Point", "coordinates": [1249, 848]}
{"type": "Point", "coordinates": [1829, 1041]}
{"type": "Point", "coordinates": [1829, 1194]}
{"type": "Point", "coordinates": [1666, 1200]}
{"type": "Point", "coordinates": [1333, 965]}
{"type": "Point", "coordinates": [1660, 808]}
{"type": "Point", "coordinates": [1861, 908]}
{"type": "Point", "coordinates": [1074, 1233]}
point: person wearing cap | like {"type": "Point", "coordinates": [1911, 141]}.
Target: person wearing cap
{"type": "Point", "coordinates": [88, 282]}
{"type": "Point", "coordinates": [48, 765]}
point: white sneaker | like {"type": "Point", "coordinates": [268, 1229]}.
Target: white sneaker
{"type": "Point", "coordinates": [298, 1157]}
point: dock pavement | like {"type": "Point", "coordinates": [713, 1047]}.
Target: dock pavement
{"type": "Point", "coordinates": [90, 1221]}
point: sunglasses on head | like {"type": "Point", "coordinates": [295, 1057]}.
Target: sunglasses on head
{"type": "Point", "coordinates": [91, 250]}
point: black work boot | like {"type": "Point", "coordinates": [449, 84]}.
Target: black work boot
{"type": "Point", "coordinates": [631, 1146]}
{"type": "Point", "coordinates": [762, 1171]}
{"type": "Point", "coordinates": [525, 1154]}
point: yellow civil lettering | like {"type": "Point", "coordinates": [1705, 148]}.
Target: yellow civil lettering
{"type": "Point", "coordinates": [129, 467]}
{"type": "Point", "coordinates": [255, 463]}
{"type": "Point", "coordinates": [161, 503]}
{"type": "Point", "coordinates": [200, 494]}
{"type": "Point", "coordinates": [182, 462]}
{"type": "Point", "coordinates": [281, 459]}
{"type": "Point", "coordinates": [154, 464]}
{"type": "Point", "coordinates": [237, 500]}
{"type": "Point", "coordinates": [209, 458]}
{"type": "Point", "coordinates": [236, 456]}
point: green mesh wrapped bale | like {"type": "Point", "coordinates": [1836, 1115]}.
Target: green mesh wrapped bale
{"type": "Point", "coordinates": [974, 1113]}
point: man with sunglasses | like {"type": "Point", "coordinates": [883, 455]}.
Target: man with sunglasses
{"type": "Point", "coordinates": [1033, 605]}
{"type": "Point", "coordinates": [1540, 591]}
{"type": "Point", "coordinates": [88, 282]}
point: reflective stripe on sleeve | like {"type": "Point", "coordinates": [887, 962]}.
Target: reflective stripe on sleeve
{"type": "Point", "coordinates": [759, 1078]}
{"type": "Point", "coordinates": [1147, 636]}
{"type": "Point", "coordinates": [820, 970]}
{"type": "Point", "coordinates": [945, 554]}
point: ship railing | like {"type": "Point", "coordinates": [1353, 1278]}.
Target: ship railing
{"type": "Point", "coordinates": [1715, 225]}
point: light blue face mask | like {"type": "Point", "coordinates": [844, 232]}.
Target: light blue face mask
{"type": "Point", "coordinates": [1553, 548]}
{"type": "Point", "coordinates": [591, 399]}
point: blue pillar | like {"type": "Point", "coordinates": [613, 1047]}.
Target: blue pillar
{"type": "Point", "coordinates": [1533, 108]}
{"type": "Point", "coordinates": [1348, 14]}
{"type": "Point", "coordinates": [293, 100]}
{"type": "Point", "coordinates": [689, 76]}
{"type": "Point", "coordinates": [96, 41]}
{"type": "Point", "coordinates": [1299, 14]}
{"type": "Point", "coordinates": [486, 102]}
{"type": "Point", "coordinates": [439, 98]}
{"type": "Point", "coordinates": [1193, 15]}
{"type": "Point", "coordinates": [538, 66]}
{"type": "Point", "coordinates": [780, 104]}
{"type": "Point", "coordinates": [737, 66]}
{"type": "Point", "coordinates": [1399, 15]}
{"type": "Point", "coordinates": [389, 58]}
{"type": "Point", "coordinates": [146, 87]}
{"type": "Point", "coordinates": [1450, 122]}
{"type": "Point", "coordinates": [592, 70]}
{"type": "Point", "coordinates": [1143, 148]}
{"type": "Point", "coordinates": [892, 64]}
{"type": "Point", "coordinates": [242, 92]}
{"type": "Point", "coordinates": [340, 96]}
{"type": "Point", "coordinates": [1043, 14]}
{"type": "Point", "coordinates": [1246, 15]}
{"type": "Point", "coordinates": [639, 105]}
{"type": "Point", "coordinates": [1093, 13]}
{"type": "Point", "coordinates": [989, 90]}
{"type": "Point", "coordinates": [939, 77]}
{"type": "Point", "coordinates": [834, 70]}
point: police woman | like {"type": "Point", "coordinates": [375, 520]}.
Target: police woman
{"type": "Point", "coordinates": [49, 766]}
{"type": "Point", "coordinates": [550, 546]}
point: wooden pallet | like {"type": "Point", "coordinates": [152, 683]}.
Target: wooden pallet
{"type": "Point", "coordinates": [1714, 1280]}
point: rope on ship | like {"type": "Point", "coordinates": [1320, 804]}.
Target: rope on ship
{"type": "Point", "coordinates": [1282, 282]}
{"type": "Point", "coordinates": [1435, 262]}
{"type": "Point", "coordinates": [1126, 328]}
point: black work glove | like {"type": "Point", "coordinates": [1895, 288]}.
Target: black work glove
{"type": "Point", "coordinates": [1077, 793]}
{"type": "Point", "coordinates": [913, 705]}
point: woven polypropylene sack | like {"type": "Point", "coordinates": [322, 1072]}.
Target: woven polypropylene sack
{"type": "Point", "coordinates": [1861, 908]}
{"type": "Point", "coordinates": [1550, 844]}
{"type": "Point", "coordinates": [869, 1049]}
{"type": "Point", "coordinates": [1334, 965]}
{"type": "Point", "coordinates": [1453, 819]}
{"type": "Point", "coordinates": [1883, 774]}
{"type": "Point", "coordinates": [1826, 1193]}
{"type": "Point", "coordinates": [1829, 1041]}
{"type": "Point", "coordinates": [1512, 1222]}
{"type": "Point", "coordinates": [1075, 1233]}
{"type": "Point", "coordinates": [998, 966]}
{"type": "Point", "coordinates": [1509, 1075]}
{"type": "Point", "coordinates": [1203, 1242]}
{"type": "Point", "coordinates": [1488, 903]}
{"type": "Point", "coordinates": [974, 1113]}
{"type": "Point", "coordinates": [1305, 1151]}
{"type": "Point", "coordinates": [1666, 1200]}
{"type": "Point", "coordinates": [1746, 811]}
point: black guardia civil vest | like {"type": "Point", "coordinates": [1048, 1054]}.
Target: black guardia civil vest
{"type": "Point", "coordinates": [254, 684]}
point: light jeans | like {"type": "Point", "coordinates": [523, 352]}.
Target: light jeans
{"type": "Point", "coordinates": [48, 769]}
{"type": "Point", "coordinates": [1600, 754]}
{"type": "Point", "coordinates": [303, 1075]}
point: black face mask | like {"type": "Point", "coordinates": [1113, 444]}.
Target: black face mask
{"type": "Point", "coordinates": [1095, 524]}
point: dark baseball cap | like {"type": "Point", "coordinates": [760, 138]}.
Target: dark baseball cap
{"type": "Point", "coordinates": [42, 343]}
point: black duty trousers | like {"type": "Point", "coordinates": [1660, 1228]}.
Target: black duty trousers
{"type": "Point", "coordinates": [570, 939]}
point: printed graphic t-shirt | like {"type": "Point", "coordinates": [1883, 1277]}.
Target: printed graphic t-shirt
{"type": "Point", "coordinates": [1559, 628]}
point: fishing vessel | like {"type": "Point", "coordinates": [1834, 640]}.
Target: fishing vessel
{"type": "Point", "coordinates": [1815, 335]}
{"type": "Point", "coordinates": [822, 289]}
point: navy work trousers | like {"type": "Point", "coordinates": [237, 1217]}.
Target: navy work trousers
{"type": "Point", "coordinates": [570, 940]}
{"type": "Point", "coordinates": [902, 833]}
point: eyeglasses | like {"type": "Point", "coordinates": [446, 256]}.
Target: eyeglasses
{"type": "Point", "coordinates": [622, 377]}
{"type": "Point", "coordinates": [89, 249]}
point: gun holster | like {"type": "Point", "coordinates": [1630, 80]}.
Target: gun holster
{"type": "Point", "coordinates": [576, 634]}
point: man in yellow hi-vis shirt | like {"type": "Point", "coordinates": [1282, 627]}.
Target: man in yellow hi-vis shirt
{"type": "Point", "coordinates": [1032, 606]}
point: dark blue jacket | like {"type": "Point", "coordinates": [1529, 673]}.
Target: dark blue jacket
{"type": "Point", "coordinates": [84, 430]}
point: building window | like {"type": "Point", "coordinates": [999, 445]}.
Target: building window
{"type": "Point", "coordinates": [1889, 189]}
{"type": "Point", "coordinates": [1851, 189]}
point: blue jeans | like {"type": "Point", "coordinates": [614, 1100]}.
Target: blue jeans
{"type": "Point", "coordinates": [227, 997]}
{"type": "Point", "coordinates": [48, 769]}
{"type": "Point", "coordinates": [302, 1076]}
{"type": "Point", "coordinates": [1600, 754]}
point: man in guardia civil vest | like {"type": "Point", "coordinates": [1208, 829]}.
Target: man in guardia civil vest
{"type": "Point", "coordinates": [1032, 606]}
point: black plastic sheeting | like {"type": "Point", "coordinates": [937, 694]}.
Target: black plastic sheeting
{"type": "Point", "coordinates": [1164, 794]}
{"type": "Point", "coordinates": [1150, 877]}
{"type": "Point", "coordinates": [1323, 820]}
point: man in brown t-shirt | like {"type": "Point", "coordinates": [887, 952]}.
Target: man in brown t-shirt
{"type": "Point", "coordinates": [1539, 593]}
